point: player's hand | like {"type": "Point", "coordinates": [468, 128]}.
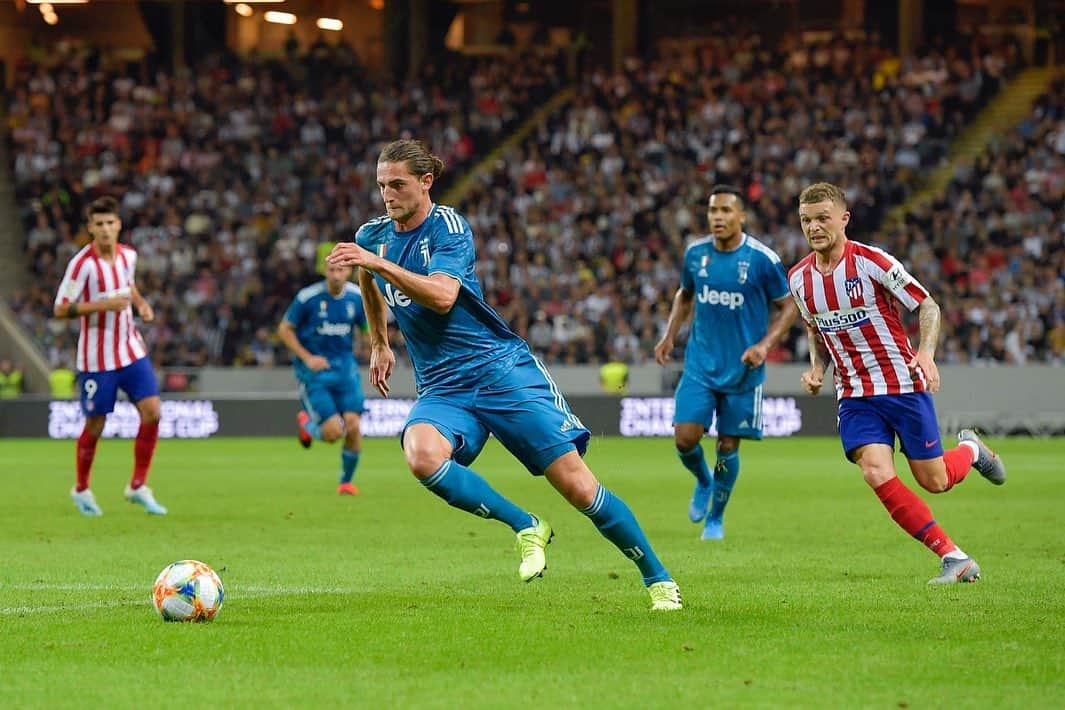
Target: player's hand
{"type": "Point", "coordinates": [115, 303]}
{"type": "Point", "coordinates": [382, 360]}
{"type": "Point", "coordinates": [146, 312]}
{"type": "Point", "coordinates": [812, 380]}
{"type": "Point", "coordinates": [316, 363]}
{"type": "Point", "coordinates": [350, 254]}
{"type": "Point", "coordinates": [664, 350]}
{"type": "Point", "coordinates": [924, 361]}
{"type": "Point", "coordinates": [755, 355]}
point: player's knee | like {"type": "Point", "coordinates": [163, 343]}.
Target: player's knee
{"type": "Point", "coordinates": [686, 441]}
{"type": "Point", "coordinates": [934, 484]}
{"type": "Point", "coordinates": [332, 430]}
{"type": "Point", "coordinates": [876, 475]}
{"type": "Point", "coordinates": [94, 426]}
{"type": "Point", "coordinates": [727, 444]}
{"type": "Point", "coordinates": [424, 461]}
{"type": "Point", "coordinates": [151, 415]}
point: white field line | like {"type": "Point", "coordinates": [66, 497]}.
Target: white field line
{"type": "Point", "coordinates": [248, 592]}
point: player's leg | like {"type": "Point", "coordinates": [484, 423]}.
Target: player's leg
{"type": "Point", "coordinates": [531, 418]}
{"type": "Point", "coordinates": [442, 436]}
{"type": "Point", "coordinates": [914, 418]}
{"type": "Point", "coordinates": [138, 382]}
{"type": "Point", "coordinates": [868, 440]}
{"type": "Point", "coordinates": [98, 391]}
{"type": "Point", "coordinates": [739, 416]}
{"type": "Point", "coordinates": [694, 406]}
{"type": "Point", "coordinates": [318, 408]}
{"type": "Point", "coordinates": [349, 454]}
{"type": "Point", "coordinates": [350, 401]}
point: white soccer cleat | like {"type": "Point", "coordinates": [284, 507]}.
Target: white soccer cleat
{"type": "Point", "coordinates": [85, 501]}
{"type": "Point", "coordinates": [143, 496]}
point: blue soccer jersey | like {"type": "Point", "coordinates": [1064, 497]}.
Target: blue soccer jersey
{"type": "Point", "coordinates": [468, 346]}
{"type": "Point", "coordinates": [325, 324]}
{"type": "Point", "coordinates": [732, 291]}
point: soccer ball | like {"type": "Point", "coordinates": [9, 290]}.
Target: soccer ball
{"type": "Point", "coordinates": [187, 591]}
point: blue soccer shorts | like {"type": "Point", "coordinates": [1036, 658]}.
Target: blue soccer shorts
{"type": "Point", "coordinates": [880, 418]}
{"type": "Point", "coordinates": [738, 413]}
{"type": "Point", "coordinates": [524, 410]}
{"type": "Point", "coordinates": [325, 394]}
{"type": "Point", "coordinates": [99, 390]}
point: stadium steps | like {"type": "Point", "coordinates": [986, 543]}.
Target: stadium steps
{"type": "Point", "coordinates": [14, 343]}
{"type": "Point", "coordinates": [461, 189]}
{"type": "Point", "coordinates": [1006, 110]}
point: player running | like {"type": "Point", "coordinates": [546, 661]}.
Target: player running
{"type": "Point", "coordinates": [99, 288]}
{"type": "Point", "coordinates": [474, 375]}
{"type": "Point", "coordinates": [848, 293]}
{"type": "Point", "coordinates": [319, 329]}
{"type": "Point", "coordinates": [729, 280]}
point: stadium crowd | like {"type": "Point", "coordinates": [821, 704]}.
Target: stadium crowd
{"type": "Point", "coordinates": [231, 174]}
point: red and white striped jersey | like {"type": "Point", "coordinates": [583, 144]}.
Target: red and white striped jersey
{"type": "Point", "coordinates": [109, 340]}
{"type": "Point", "coordinates": [854, 309]}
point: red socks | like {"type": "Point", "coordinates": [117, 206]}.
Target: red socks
{"type": "Point", "coordinates": [913, 516]}
{"type": "Point", "coordinates": [143, 448]}
{"type": "Point", "coordinates": [86, 453]}
{"type": "Point", "coordinates": [959, 462]}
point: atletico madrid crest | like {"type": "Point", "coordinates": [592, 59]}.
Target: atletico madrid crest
{"type": "Point", "coordinates": [854, 288]}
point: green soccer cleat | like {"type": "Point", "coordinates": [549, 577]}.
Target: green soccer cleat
{"type": "Point", "coordinates": [532, 542]}
{"type": "Point", "coordinates": [665, 596]}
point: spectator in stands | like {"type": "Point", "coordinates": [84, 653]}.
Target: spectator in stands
{"type": "Point", "coordinates": [10, 380]}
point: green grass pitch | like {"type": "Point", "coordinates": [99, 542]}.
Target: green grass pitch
{"type": "Point", "coordinates": [392, 599]}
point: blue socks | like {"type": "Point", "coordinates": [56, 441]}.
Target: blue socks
{"type": "Point", "coordinates": [348, 461]}
{"type": "Point", "coordinates": [695, 462]}
{"type": "Point", "coordinates": [725, 473]}
{"type": "Point", "coordinates": [617, 523]}
{"type": "Point", "coordinates": [464, 489]}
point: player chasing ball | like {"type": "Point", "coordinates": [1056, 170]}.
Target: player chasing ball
{"type": "Point", "coordinates": [847, 294]}
{"type": "Point", "coordinates": [474, 375]}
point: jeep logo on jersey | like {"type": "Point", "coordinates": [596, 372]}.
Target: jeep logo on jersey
{"type": "Point", "coordinates": [394, 297]}
{"type": "Point", "coordinates": [732, 299]}
{"type": "Point", "coordinates": [327, 328]}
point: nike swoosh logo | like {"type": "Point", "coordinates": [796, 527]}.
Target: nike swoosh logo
{"type": "Point", "coordinates": [930, 444]}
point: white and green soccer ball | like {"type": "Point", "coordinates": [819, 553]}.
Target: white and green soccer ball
{"type": "Point", "coordinates": [187, 591]}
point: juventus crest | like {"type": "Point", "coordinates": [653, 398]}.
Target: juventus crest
{"type": "Point", "coordinates": [741, 273]}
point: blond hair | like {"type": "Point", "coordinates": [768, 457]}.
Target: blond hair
{"type": "Point", "coordinates": [821, 191]}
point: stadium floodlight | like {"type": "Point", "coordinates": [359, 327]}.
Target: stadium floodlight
{"type": "Point", "coordinates": [46, 8]}
{"type": "Point", "coordinates": [280, 18]}
{"type": "Point", "coordinates": [58, 2]}
{"type": "Point", "coordinates": [51, 18]}
{"type": "Point", "coordinates": [252, 2]}
{"type": "Point", "coordinates": [330, 23]}
{"type": "Point", "coordinates": [243, 9]}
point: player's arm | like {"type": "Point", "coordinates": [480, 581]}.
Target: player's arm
{"type": "Point", "coordinates": [286, 333]}
{"type": "Point", "coordinates": [144, 309]}
{"type": "Point", "coordinates": [929, 318]}
{"type": "Point", "coordinates": [813, 378]}
{"type": "Point", "coordinates": [76, 309]}
{"type": "Point", "coordinates": [382, 359]}
{"type": "Point", "coordinates": [679, 312]}
{"type": "Point", "coordinates": [779, 326]}
{"type": "Point", "coordinates": [437, 292]}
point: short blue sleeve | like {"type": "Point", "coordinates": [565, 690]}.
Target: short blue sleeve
{"type": "Point", "coordinates": [687, 281]}
{"type": "Point", "coordinates": [295, 313]}
{"type": "Point", "coordinates": [776, 281]}
{"type": "Point", "coordinates": [451, 254]}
